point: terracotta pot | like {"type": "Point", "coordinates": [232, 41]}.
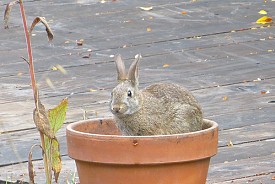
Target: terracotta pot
{"type": "Point", "coordinates": [103, 156]}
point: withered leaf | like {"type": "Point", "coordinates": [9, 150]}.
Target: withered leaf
{"type": "Point", "coordinates": [30, 168]}
{"type": "Point", "coordinates": [225, 98]}
{"type": "Point", "coordinates": [30, 164]}
{"type": "Point", "coordinates": [264, 20]}
{"type": "Point", "coordinates": [262, 12]}
{"type": "Point", "coordinates": [41, 119]}
{"type": "Point", "coordinates": [230, 144]}
{"type": "Point", "coordinates": [44, 22]}
{"type": "Point", "coordinates": [7, 13]}
{"type": "Point", "coordinates": [80, 42]}
{"type": "Point", "coordinates": [263, 92]}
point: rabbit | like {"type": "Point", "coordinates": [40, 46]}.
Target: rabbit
{"type": "Point", "coordinates": [159, 109]}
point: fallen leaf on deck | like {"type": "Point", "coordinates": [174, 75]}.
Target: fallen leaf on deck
{"type": "Point", "coordinates": [263, 92]}
{"type": "Point", "coordinates": [87, 56]}
{"type": "Point", "coordinates": [148, 29]}
{"type": "Point", "coordinates": [165, 65]}
{"type": "Point", "coordinates": [273, 178]}
{"type": "Point", "coordinates": [146, 8]}
{"type": "Point", "coordinates": [80, 42]}
{"type": "Point", "coordinates": [262, 12]}
{"type": "Point", "coordinates": [230, 144]}
{"type": "Point", "coordinates": [183, 12]}
{"type": "Point", "coordinates": [270, 50]}
{"type": "Point", "coordinates": [264, 20]}
{"type": "Point", "coordinates": [225, 98]}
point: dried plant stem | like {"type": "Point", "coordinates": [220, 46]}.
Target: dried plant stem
{"type": "Point", "coordinates": [35, 92]}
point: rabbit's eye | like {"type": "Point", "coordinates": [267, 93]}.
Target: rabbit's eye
{"type": "Point", "coordinates": [129, 93]}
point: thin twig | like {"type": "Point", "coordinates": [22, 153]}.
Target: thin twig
{"type": "Point", "coordinates": [25, 60]}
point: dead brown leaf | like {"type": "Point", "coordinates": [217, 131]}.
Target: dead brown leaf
{"type": "Point", "coordinates": [80, 42]}
{"type": "Point", "coordinates": [44, 22]}
{"type": "Point", "coordinates": [87, 56]}
{"type": "Point", "coordinates": [40, 118]}
{"type": "Point", "coordinates": [273, 177]}
{"type": "Point", "coordinates": [30, 168]}
{"type": "Point", "coordinates": [263, 92]}
{"type": "Point", "coordinates": [30, 164]}
{"type": "Point", "coordinates": [7, 13]}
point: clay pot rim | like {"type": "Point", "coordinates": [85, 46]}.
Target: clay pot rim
{"type": "Point", "coordinates": [127, 150]}
{"type": "Point", "coordinates": [213, 125]}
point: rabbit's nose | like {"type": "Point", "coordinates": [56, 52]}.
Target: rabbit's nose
{"type": "Point", "coordinates": [116, 108]}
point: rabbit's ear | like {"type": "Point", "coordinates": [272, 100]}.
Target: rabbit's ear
{"type": "Point", "coordinates": [121, 73]}
{"type": "Point", "coordinates": [133, 70]}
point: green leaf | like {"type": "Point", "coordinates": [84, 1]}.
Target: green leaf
{"type": "Point", "coordinates": [57, 115]}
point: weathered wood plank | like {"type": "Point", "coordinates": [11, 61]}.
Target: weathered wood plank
{"type": "Point", "coordinates": [241, 169]}
{"type": "Point", "coordinates": [245, 151]}
{"type": "Point", "coordinates": [233, 112]}
{"type": "Point", "coordinates": [262, 178]}
{"type": "Point", "coordinates": [62, 48]}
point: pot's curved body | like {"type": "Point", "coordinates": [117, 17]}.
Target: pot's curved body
{"type": "Point", "coordinates": [103, 156]}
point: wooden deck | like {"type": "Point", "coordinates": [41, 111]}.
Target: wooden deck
{"type": "Point", "coordinates": [212, 47]}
